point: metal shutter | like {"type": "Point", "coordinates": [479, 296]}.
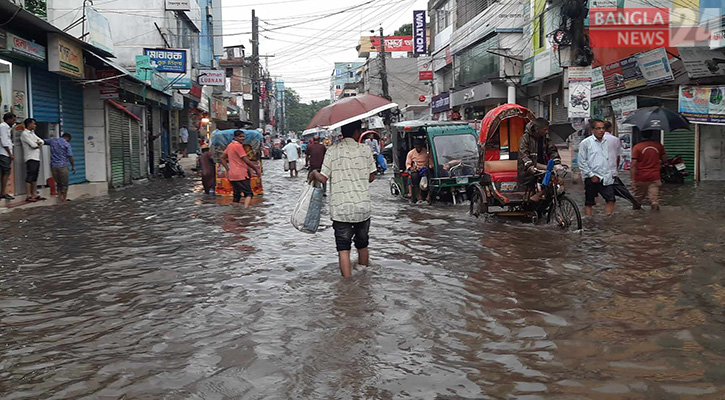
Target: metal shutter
{"type": "Point", "coordinates": [44, 89]}
{"type": "Point", "coordinates": [115, 131]}
{"type": "Point", "coordinates": [135, 149]}
{"type": "Point", "coordinates": [71, 98]}
{"type": "Point", "coordinates": [682, 143]}
{"type": "Point", "coordinates": [126, 150]}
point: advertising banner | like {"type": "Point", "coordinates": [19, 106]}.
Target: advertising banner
{"type": "Point", "coordinates": [440, 103]}
{"type": "Point", "coordinates": [621, 108]}
{"type": "Point", "coordinates": [703, 104]}
{"type": "Point", "coordinates": [701, 62]}
{"type": "Point", "coordinates": [99, 30]}
{"type": "Point", "coordinates": [633, 77]}
{"type": "Point", "coordinates": [419, 33]}
{"type": "Point", "coordinates": [580, 91]}
{"type": "Point", "coordinates": [212, 77]}
{"type": "Point", "coordinates": [167, 60]}
{"type": "Point", "coordinates": [108, 87]}
{"type": "Point", "coordinates": [65, 56]}
{"type": "Point", "coordinates": [392, 43]}
{"type": "Point", "coordinates": [598, 88]}
{"type": "Point", "coordinates": [613, 77]}
{"type": "Point", "coordinates": [655, 66]}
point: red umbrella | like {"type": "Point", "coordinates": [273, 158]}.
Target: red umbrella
{"type": "Point", "coordinates": [349, 109]}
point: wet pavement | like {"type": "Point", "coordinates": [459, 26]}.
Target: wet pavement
{"type": "Point", "coordinates": [158, 292]}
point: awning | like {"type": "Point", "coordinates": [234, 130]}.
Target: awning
{"type": "Point", "coordinates": [115, 66]}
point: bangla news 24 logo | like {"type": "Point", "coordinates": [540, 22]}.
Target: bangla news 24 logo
{"type": "Point", "coordinates": [656, 27]}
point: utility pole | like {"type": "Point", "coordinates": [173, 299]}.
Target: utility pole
{"type": "Point", "coordinates": [384, 70]}
{"type": "Point", "coordinates": [255, 71]}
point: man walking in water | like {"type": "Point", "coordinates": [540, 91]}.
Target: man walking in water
{"type": "Point", "coordinates": [645, 170]}
{"type": "Point", "coordinates": [292, 152]}
{"type": "Point", "coordinates": [350, 168]}
{"type": "Point", "coordinates": [594, 164]}
{"type": "Point", "coordinates": [237, 164]}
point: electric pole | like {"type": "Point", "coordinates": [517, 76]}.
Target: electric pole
{"type": "Point", "coordinates": [383, 68]}
{"type": "Point", "coordinates": [255, 71]}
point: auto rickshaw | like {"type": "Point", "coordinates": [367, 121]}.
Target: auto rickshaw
{"type": "Point", "coordinates": [454, 150]}
{"type": "Point", "coordinates": [498, 187]}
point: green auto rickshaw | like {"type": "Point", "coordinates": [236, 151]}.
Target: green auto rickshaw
{"type": "Point", "coordinates": [453, 146]}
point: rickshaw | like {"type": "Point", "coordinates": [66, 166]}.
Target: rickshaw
{"type": "Point", "coordinates": [501, 130]}
{"type": "Point", "coordinates": [454, 151]}
{"type": "Point", "coordinates": [253, 143]}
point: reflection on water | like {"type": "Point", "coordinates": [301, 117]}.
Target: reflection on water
{"type": "Point", "coordinates": [160, 292]}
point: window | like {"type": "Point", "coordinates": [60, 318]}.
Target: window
{"type": "Point", "coordinates": [338, 87]}
{"type": "Point", "coordinates": [468, 9]}
{"type": "Point", "coordinates": [351, 74]}
{"type": "Point", "coordinates": [475, 63]}
{"type": "Point", "coordinates": [443, 16]}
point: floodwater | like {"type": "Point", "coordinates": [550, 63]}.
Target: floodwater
{"type": "Point", "coordinates": [158, 292]}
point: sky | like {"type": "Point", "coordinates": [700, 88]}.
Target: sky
{"type": "Point", "coordinates": [307, 37]}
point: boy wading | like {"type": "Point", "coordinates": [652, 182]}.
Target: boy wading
{"type": "Point", "coordinates": [349, 166]}
{"type": "Point", "coordinates": [237, 164]}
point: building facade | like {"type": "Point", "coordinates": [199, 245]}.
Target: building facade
{"type": "Point", "coordinates": [343, 73]}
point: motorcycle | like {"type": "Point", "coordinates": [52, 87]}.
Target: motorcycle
{"type": "Point", "coordinates": [579, 100]}
{"type": "Point", "coordinates": [169, 166]}
{"type": "Point", "coordinates": [674, 170]}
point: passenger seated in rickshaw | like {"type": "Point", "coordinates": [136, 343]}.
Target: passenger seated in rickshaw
{"type": "Point", "coordinates": [419, 164]}
{"type": "Point", "coordinates": [535, 150]}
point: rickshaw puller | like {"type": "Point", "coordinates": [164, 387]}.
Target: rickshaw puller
{"type": "Point", "coordinates": [535, 149]}
{"type": "Point", "coordinates": [414, 162]}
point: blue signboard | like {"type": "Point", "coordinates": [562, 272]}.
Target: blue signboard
{"type": "Point", "coordinates": [167, 60]}
{"type": "Point", "coordinates": [420, 40]}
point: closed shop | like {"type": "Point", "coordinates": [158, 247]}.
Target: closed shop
{"type": "Point", "coordinates": [57, 106]}
{"type": "Point", "coordinates": [124, 132]}
{"type": "Point", "coordinates": [681, 143]}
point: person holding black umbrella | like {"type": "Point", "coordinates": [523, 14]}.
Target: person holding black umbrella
{"type": "Point", "coordinates": [615, 150]}
{"type": "Point", "coordinates": [645, 170]}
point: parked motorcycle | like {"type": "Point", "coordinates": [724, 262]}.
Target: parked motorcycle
{"type": "Point", "coordinates": [579, 100]}
{"type": "Point", "coordinates": [674, 170]}
{"type": "Point", "coordinates": [169, 166]}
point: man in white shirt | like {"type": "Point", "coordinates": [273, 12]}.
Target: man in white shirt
{"type": "Point", "coordinates": [292, 152]}
{"type": "Point", "coordinates": [350, 168]}
{"type": "Point", "coordinates": [184, 139]}
{"type": "Point", "coordinates": [615, 151]}
{"type": "Point", "coordinates": [6, 154]}
{"type": "Point", "coordinates": [595, 169]}
{"type": "Point", "coordinates": [31, 149]}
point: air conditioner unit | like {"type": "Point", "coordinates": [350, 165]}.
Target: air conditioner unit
{"type": "Point", "coordinates": [349, 66]}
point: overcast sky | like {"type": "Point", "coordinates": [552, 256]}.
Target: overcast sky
{"type": "Point", "coordinates": [305, 53]}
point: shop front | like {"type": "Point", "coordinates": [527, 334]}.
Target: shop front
{"type": "Point", "coordinates": [704, 106]}
{"type": "Point", "coordinates": [474, 102]}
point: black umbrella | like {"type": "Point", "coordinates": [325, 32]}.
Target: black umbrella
{"type": "Point", "coordinates": [621, 190]}
{"type": "Point", "coordinates": [657, 118]}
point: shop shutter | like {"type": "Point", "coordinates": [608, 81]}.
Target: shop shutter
{"type": "Point", "coordinates": [126, 149]}
{"type": "Point", "coordinates": [682, 143]}
{"type": "Point", "coordinates": [71, 98]}
{"type": "Point", "coordinates": [135, 149]}
{"type": "Point", "coordinates": [115, 130]}
{"type": "Point", "coordinates": [44, 90]}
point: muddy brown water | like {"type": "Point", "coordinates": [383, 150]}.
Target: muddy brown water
{"type": "Point", "coordinates": [158, 292]}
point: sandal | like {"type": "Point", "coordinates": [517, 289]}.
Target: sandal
{"type": "Point", "coordinates": [30, 200]}
{"type": "Point", "coordinates": [40, 198]}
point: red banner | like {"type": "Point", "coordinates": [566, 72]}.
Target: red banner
{"type": "Point", "coordinates": [425, 75]}
{"type": "Point", "coordinates": [393, 43]}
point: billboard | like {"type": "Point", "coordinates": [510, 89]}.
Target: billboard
{"type": "Point", "coordinates": [99, 30]}
{"type": "Point", "coordinates": [419, 34]}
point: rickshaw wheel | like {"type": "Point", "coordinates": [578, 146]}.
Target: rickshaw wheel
{"type": "Point", "coordinates": [566, 215]}
{"type": "Point", "coordinates": [394, 189]}
{"type": "Point", "coordinates": [477, 201]}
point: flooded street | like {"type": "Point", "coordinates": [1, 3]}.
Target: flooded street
{"type": "Point", "coordinates": [159, 292]}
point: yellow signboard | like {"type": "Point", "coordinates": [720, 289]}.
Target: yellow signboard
{"type": "Point", "coordinates": [65, 56]}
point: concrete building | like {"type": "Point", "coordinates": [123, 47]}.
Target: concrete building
{"type": "Point", "coordinates": [404, 86]}
{"type": "Point", "coordinates": [344, 72]}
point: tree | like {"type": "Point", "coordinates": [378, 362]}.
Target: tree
{"type": "Point", "coordinates": [36, 7]}
{"type": "Point", "coordinates": [404, 30]}
{"type": "Point", "coordinates": [299, 114]}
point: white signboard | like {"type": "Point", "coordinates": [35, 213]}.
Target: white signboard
{"type": "Point", "coordinates": [598, 88]}
{"type": "Point", "coordinates": [701, 62]}
{"type": "Point", "coordinates": [212, 77]}
{"type": "Point", "coordinates": [655, 66]}
{"type": "Point", "coordinates": [178, 5]}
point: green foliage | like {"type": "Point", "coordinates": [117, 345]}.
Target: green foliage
{"type": "Point", "coordinates": [405, 30]}
{"type": "Point", "coordinates": [299, 114]}
{"type": "Point", "coordinates": [37, 7]}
